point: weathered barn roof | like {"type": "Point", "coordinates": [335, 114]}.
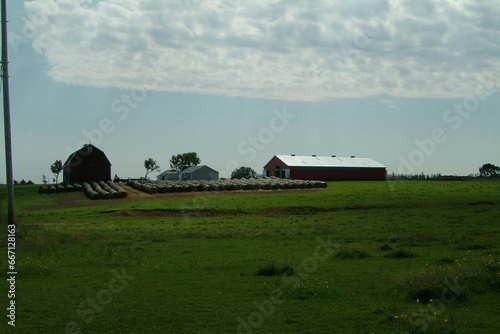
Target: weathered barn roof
{"type": "Point", "coordinates": [328, 161]}
{"type": "Point", "coordinates": [85, 147]}
{"type": "Point", "coordinates": [168, 171]}
{"type": "Point", "coordinates": [194, 169]}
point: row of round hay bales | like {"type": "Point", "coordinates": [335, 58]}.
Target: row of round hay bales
{"type": "Point", "coordinates": [102, 190]}
{"type": "Point", "coordinates": [93, 190]}
{"type": "Point", "coordinates": [59, 188]}
{"type": "Point", "coordinates": [121, 193]}
{"type": "Point", "coordinates": [170, 186]}
{"type": "Point", "coordinates": [97, 188]}
{"type": "Point", "coordinates": [142, 186]}
{"type": "Point", "coordinates": [90, 192]}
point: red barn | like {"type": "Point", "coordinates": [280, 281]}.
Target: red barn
{"type": "Point", "coordinates": [312, 167]}
{"type": "Point", "coordinates": [87, 164]}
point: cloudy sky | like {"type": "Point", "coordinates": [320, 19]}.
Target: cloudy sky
{"type": "Point", "coordinates": [413, 85]}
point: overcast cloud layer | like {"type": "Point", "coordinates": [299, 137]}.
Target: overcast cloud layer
{"type": "Point", "coordinates": [291, 50]}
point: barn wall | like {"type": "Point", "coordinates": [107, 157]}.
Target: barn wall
{"type": "Point", "coordinates": [320, 173]}
{"type": "Point", "coordinates": [271, 165]}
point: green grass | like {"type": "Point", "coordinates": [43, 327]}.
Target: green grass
{"type": "Point", "coordinates": [392, 257]}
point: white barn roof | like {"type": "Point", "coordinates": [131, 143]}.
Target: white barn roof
{"type": "Point", "coordinates": [328, 161]}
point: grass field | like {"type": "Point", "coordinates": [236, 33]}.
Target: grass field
{"type": "Point", "coordinates": [357, 257]}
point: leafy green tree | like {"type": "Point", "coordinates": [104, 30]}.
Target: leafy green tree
{"type": "Point", "coordinates": [116, 179]}
{"type": "Point", "coordinates": [244, 173]}
{"type": "Point", "coordinates": [150, 166]}
{"type": "Point", "coordinates": [489, 170]}
{"type": "Point", "coordinates": [44, 179]}
{"type": "Point", "coordinates": [184, 160]}
{"type": "Point", "coordinates": [56, 168]}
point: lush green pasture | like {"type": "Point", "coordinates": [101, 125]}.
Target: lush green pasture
{"type": "Point", "coordinates": [358, 257]}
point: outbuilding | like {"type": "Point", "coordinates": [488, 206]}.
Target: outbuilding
{"type": "Point", "coordinates": [170, 174]}
{"type": "Point", "coordinates": [201, 172]}
{"type": "Point", "coordinates": [315, 167]}
{"type": "Point", "coordinates": [87, 164]}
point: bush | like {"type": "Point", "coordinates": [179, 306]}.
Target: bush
{"type": "Point", "coordinates": [272, 269]}
{"type": "Point", "coordinates": [399, 254]}
{"type": "Point", "coordinates": [352, 252]}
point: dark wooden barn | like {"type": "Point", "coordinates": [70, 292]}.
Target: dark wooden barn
{"type": "Point", "coordinates": [87, 164]}
{"type": "Point", "coordinates": [312, 167]}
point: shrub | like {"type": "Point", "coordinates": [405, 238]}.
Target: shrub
{"type": "Point", "coordinates": [399, 254]}
{"type": "Point", "coordinates": [352, 252]}
{"type": "Point", "coordinates": [272, 269]}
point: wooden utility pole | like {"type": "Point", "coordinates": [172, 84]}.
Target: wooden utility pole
{"type": "Point", "coordinates": [6, 115]}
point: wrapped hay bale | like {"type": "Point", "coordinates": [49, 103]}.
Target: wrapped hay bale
{"type": "Point", "coordinates": [246, 186]}
{"type": "Point", "coordinates": [97, 188]}
{"type": "Point", "coordinates": [121, 193]}
{"type": "Point", "coordinates": [143, 187]}
{"type": "Point", "coordinates": [161, 188]}
{"type": "Point", "coordinates": [104, 186]}
{"type": "Point", "coordinates": [274, 186]}
{"type": "Point", "coordinates": [255, 186]}
{"type": "Point", "coordinates": [51, 189]}
{"type": "Point", "coordinates": [89, 192]}
{"type": "Point", "coordinates": [42, 190]}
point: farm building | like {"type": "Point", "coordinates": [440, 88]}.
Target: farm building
{"type": "Point", "coordinates": [87, 164]}
{"type": "Point", "coordinates": [170, 174]}
{"type": "Point", "coordinates": [312, 167]}
{"type": "Point", "coordinates": [201, 172]}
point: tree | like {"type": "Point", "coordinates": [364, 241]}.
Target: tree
{"type": "Point", "coordinates": [184, 160]}
{"type": "Point", "coordinates": [44, 179]}
{"type": "Point", "coordinates": [116, 179]}
{"type": "Point", "coordinates": [150, 166]}
{"type": "Point", "coordinates": [489, 170]}
{"type": "Point", "coordinates": [56, 168]}
{"type": "Point", "coordinates": [243, 173]}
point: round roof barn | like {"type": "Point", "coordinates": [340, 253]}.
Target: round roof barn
{"type": "Point", "coordinates": [87, 164]}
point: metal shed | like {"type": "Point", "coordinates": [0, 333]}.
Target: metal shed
{"type": "Point", "coordinates": [201, 172]}
{"type": "Point", "coordinates": [170, 174]}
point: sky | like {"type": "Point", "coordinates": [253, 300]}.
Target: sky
{"type": "Point", "coordinates": [412, 85]}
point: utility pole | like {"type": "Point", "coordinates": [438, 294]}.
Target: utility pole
{"type": "Point", "coordinates": [6, 115]}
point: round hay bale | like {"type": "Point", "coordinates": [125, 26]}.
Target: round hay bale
{"type": "Point", "coordinates": [42, 190]}
{"type": "Point", "coordinates": [121, 193]}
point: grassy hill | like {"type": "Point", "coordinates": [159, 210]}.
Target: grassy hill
{"type": "Point", "coordinates": [357, 257]}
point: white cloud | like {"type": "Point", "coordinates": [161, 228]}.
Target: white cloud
{"type": "Point", "coordinates": [299, 50]}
